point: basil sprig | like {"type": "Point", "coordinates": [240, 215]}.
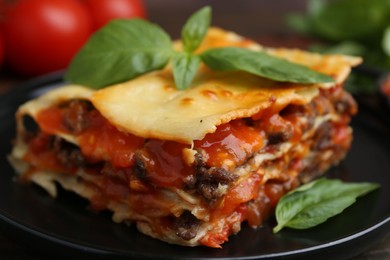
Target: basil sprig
{"type": "Point", "coordinates": [315, 202]}
{"type": "Point", "coordinates": [185, 65]}
{"type": "Point", "coordinates": [125, 49]}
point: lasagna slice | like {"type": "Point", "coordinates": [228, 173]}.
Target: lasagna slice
{"type": "Point", "coordinates": [188, 167]}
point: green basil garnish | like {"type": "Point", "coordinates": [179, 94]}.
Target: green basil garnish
{"type": "Point", "coordinates": [315, 202]}
{"type": "Point", "coordinates": [186, 64]}
{"type": "Point", "coordinates": [125, 49]}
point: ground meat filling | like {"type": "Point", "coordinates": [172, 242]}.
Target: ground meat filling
{"type": "Point", "coordinates": [279, 137]}
{"type": "Point", "coordinates": [121, 174]}
{"type": "Point", "coordinates": [276, 132]}
{"type": "Point", "coordinates": [139, 168]}
{"type": "Point", "coordinates": [346, 104]}
{"type": "Point", "coordinates": [75, 114]}
{"type": "Point", "coordinates": [186, 226]}
{"type": "Point", "coordinates": [210, 182]}
{"type": "Point", "coordinates": [68, 154]}
{"type": "Point", "coordinates": [323, 137]}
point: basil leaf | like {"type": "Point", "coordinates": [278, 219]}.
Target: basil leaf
{"type": "Point", "coordinates": [315, 202]}
{"type": "Point", "coordinates": [195, 29]}
{"type": "Point", "coordinates": [345, 47]}
{"type": "Point", "coordinates": [185, 66]}
{"type": "Point", "coordinates": [365, 19]}
{"type": "Point", "coordinates": [261, 64]}
{"type": "Point", "coordinates": [121, 50]}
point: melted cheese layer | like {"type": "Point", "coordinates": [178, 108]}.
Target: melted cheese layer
{"type": "Point", "coordinates": [166, 113]}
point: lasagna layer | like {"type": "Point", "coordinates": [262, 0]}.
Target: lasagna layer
{"type": "Point", "coordinates": [185, 194]}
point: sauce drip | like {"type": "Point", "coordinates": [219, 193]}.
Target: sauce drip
{"type": "Point", "coordinates": [103, 142]}
{"type": "Point", "coordinates": [231, 143]}
{"type": "Point", "coordinates": [164, 163]}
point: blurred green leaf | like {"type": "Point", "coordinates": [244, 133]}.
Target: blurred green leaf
{"type": "Point", "coordinates": [346, 47]}
{"type": "Point", "coordinates": [386, 41]}
{"type": "Point", "coordinates": [350, 19]}
{"type": "Point", "coordinates": [351, 27]}
{"type": "Point", "coordinates": [299, 23]}
{"type": "Point", "coordinates": [361, 84]}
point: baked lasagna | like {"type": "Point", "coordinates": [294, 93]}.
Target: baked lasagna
{"type": "Point", "coordinates": [189, 166]}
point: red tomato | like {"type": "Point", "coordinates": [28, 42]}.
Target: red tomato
{"type": "Point", "coordinates": [1, 49]}
{"type": "Point", "coordinates": [42, 36]}
{"type": "Point", "coordinates": [102, 11]}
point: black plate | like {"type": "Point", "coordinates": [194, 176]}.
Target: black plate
{"type": "Point", "coordinates": [32, 217]}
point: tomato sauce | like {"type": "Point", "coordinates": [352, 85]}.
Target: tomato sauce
{"type": "Point", "coordinates": [239, 194]}
{"type": "Point", "coordinates": [51, 120]}
{"type": "Point", "coordinates": [39, 155]}
{"type": "Point", "coordinates": [233, 141]}
{"type": "Point", "coordinates": [217, 237]}
{"type": "Point", "coordinates": [100, 141]}
{"type": "Point", "coordinates": [341, 135]}
{"type": "Point", "coordinates": [165, 164]}
{"type": "Point", "coordinates": [103, 142]}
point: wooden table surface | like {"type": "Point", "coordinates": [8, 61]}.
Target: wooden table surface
{"type": "Point", "coordinates": [257, 19]}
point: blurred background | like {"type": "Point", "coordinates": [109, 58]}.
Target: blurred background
{"type": "Point", "coordinates": [38, 37]}
{"type": "Point", "coordinates": [250, 18]}
{"type": "Point", "coordinates": [41, 36]}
